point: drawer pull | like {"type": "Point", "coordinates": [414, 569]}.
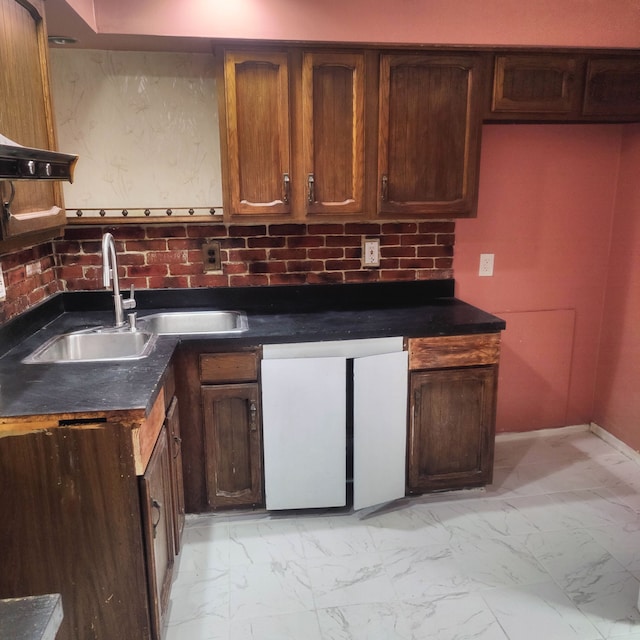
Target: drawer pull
{"type": "Point", "coordinates": [156, 505]}
{"type": "Point", "coordinates": [253, 413]}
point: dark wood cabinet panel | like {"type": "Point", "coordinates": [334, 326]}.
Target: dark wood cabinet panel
{"type": "Point", "coordinates": [451, 429]}
{"type": "Point", "coordinates": [26, 118]}
{"type": "Point", "coordinates": [258, 147]}
{"type": "Point", "coordinates": [612, 87]}
{"type": "Point", "coordinates": [233, 445]}
{"type": "Point", "coordinates": [177, 481]}
{"type": "Point", "coordinates": [71, 525]}
{"type": "Point", "coordinates": [157, 520]}
{"type": "Point", "coordinates": [333, 131]}
{"type": "Point", "coordinates": [536, 84]}
{"type": "Point", "coordinates": [429, 134]}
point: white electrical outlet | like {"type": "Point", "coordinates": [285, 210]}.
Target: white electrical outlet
{"type": "Point", "coordinates": [486, 264]}
{"type": "Point", "coordinates": [371, 252]}
{"type": "Point", "coordinates": [3, 290]}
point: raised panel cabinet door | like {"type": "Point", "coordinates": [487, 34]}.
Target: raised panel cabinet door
{"type": "Point", "coordinates": [429, 134]}
{"type": "Point", "coordinates": [333, 131]}
{"type": "Point", "coordinates": [535, 84]}
{"type": "Point", "coordinates": [26, 115]}
{"type": "Point", "coordinates": [612, 87]}
{"type": "Point", "coordinates": [258, 132]}
{"type": "Point", "coordinates": [233, 444]}
{"type": "Point", "coordinates": [451, 428]}
{"type": "Point", "coordinates": [157, 520]}
{"type": "Point", "coordinates": [172, 422]}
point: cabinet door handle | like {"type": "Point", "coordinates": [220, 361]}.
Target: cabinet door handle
{"type": "Point", "coordinates": [311, 188]}
{"type": "Point", "coordinates": [156, 505]}
{"type": "Point", "coordinates": [384, 191]}
{"type": "Point", "coordinates": [253, 413]}
{"type": "Point", "coordinates": [286, 188]}
{"type": "Point", "coordinates": [177, 441]}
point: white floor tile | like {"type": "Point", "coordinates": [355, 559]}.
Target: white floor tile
{"type": "Point", "coordinates": [269, 589]}
{"type": "Point", "coordinates": [358, 579]}
{"type": "Point", "coordinates": [292, 626]}
{"type": "Point", "coordinates": [381, 621]}
{"type": "Point", "coordinates": [539, 611]}
{"type": "Point", "coordinates": [550, 551]}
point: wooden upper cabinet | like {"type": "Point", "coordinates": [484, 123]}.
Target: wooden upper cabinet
{"type": "Point", "coordinates": [612, 87]}
{"type": "Point", "coordinates": [429, 134]}
{"type": "Point", "coordinates": [333, 132]}
{"type": "Point", "coordinates": [26, 118]}
{"type": "Point", "coordinates": [536, 84]}
{"type": "Point", "coordinates": [257, 126]}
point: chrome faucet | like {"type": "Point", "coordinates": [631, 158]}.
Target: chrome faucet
{"type": "Point", "coordinates": [110, 275]}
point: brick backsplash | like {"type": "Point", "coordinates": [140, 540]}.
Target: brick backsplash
{"type": "Point", "coordinates": [164, 256]}
{"type": "Point", "coordinates": [30, 276]}
{"type": "Point", "coordinates": [167, 256]}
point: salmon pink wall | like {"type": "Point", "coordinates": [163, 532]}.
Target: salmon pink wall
{"type": "Point", "coordinates": [596, 23]}
{"type": "Point", "coordinates": [545, 210]}
{"type": "Point", "coordinates": [617, 400]}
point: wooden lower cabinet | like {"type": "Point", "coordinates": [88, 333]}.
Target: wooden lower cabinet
{"type": "Point", "coordinates": [174, 444]}
{"type": "Point", "coordinates": [88, 512]}
{"type": "Point", "coordinates": [156, 496]}
{"type": "Point", "coordinates": [452, 405]}
{"type": "Point", "coordinates": [451, 430]}
{"type": "Point", "coordinates": [233, 444]}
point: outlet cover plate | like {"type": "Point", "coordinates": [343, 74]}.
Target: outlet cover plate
{"type": "Point", "coordinates": [486, 264]}
{"type": "Point", "coordinates": [371, 252]}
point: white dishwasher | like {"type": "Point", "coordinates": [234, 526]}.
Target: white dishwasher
{"type": "Point", "coordinates": [306, 397]}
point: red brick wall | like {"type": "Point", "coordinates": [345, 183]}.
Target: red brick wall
{"type": "Point", "coordinates": [170, 256]}
{"type": "Point", "coordinates": [163, 256]}
{"type": "Point", "coordinates": [30, 276]}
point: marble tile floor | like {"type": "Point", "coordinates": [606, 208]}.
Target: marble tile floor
{"type": "Point", "coordinates": [550, 551]}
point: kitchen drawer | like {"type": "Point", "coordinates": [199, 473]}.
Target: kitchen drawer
{"type": "Point", "coordinates": [454, 351]}
{"type": "Point", "coordinates": [229, 367]}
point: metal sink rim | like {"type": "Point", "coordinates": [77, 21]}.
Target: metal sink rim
{"type": "Point", "coordinates": [53, 350]}
{"type": "Point", "coordinates": [155, 321]}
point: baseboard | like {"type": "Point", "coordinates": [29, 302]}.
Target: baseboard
{"type": "Point", "coordinates": [616, 443]}
{"type": "Point", "coordinates": [541, 433]}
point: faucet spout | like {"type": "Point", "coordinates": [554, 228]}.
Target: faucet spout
{"type": "Point", "coordinates": [110, 277]}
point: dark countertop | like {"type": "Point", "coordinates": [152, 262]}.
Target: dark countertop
{"type": "Point", "coordinates": [275, 314]}
{"type": "Point", "coordinates": [30, 618]}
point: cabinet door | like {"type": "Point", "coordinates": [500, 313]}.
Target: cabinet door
{"type": "Point", "coordinates": [612, 87]}
{"type": "Point", "coordinates": [257, 132]}
{"type": "Point", "coordinates": [25, 115]}
{"type": "Point", "coordinates": [157, 514]}
{"type": "Point", "coordinates": [535, 84]}
{"type": "Point", "coordinates": [333, 131]}
{"type": "Point", "coordinates": [379, 428]}
{"type": "Point", "coordinates": [429, 134]}
{"type": "Point", "coordinates": [233, 460]}
{"type": "Point", "coordinates": [304, 404]}
{"type": "Point", "coordinates": [177, 483]}
{"type": "Point", "coordinates": [451, 432]}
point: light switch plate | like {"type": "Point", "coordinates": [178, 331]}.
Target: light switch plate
{"type": "Point", "coordinates": [486, 264]}
{"type": "Point", "coordinates": [3, 290]}
{"type": "Point", "coordinates": [371, 252]}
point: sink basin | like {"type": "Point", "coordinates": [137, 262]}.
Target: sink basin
{"type": "Point", "coordinates": [200, 322]}
{"type": "Point", "coordinates": [94, 346]}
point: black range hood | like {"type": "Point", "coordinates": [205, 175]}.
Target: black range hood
{"type": "Point", "coordinates": [24, 163]}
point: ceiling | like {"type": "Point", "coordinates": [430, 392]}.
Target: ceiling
{"type": "Point", "coordinates": [62, 20]}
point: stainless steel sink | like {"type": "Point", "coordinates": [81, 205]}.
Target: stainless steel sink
{"type": "Point", "coordinates": [195, 322]}
{"type": "Point", "coordinates": [94, 346]}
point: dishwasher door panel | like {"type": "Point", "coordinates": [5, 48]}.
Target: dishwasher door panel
{"type": "Point", "coordinates": [304, 414]}
{"type": "Point", "coordinates": [379, 428]}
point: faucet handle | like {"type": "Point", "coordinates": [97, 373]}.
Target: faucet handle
{"type": "Point", "coordinates": [130, 302]}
